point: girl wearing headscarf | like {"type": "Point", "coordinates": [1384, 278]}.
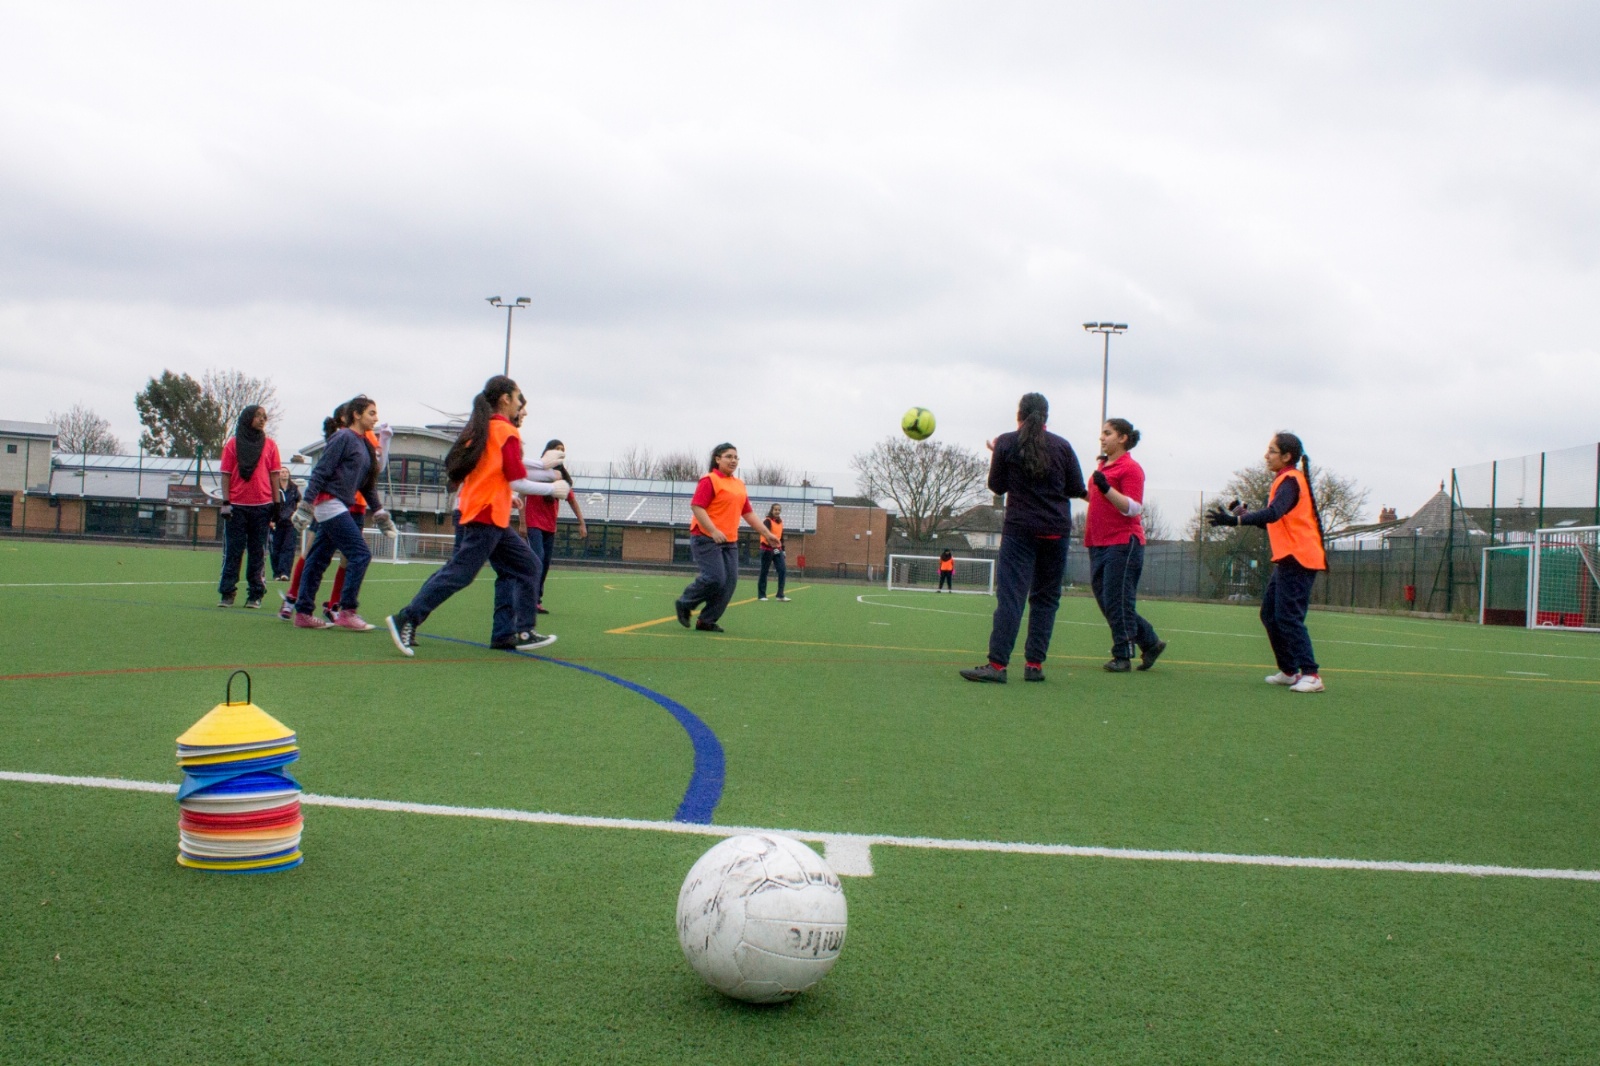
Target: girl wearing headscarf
{"type": "Point", "coordinates": [249, 490]}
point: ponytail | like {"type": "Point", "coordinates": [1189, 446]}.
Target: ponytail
{"type": "Point", "coordinates": [1291, 445]}
{"type": "Point", "coordinates": [1316, 513]}
{"type": "Point", "coordinates": [464, 454]}
{"type": "Point", "coordinates": [1032, 456]}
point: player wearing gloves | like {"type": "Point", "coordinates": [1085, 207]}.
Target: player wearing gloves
{"type": "Point", "coordinates": [486, 460]}
{"type": "Point", "coordinates": [346, 471]}
{"type": "Point", "coordinates": [1114, 535]}
{"type": "Point", "coordinates": [1294, 531]}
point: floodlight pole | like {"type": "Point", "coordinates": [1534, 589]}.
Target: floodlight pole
{"type": "Point", "coordinates": [1105, 329]}
{"type": "Point", "coordinates": [521, 302]}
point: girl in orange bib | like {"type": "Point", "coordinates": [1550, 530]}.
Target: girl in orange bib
{"type": "Point", "coordinates": [719, 504]}
{"type": "Point", "coordinates": [1294, 530]}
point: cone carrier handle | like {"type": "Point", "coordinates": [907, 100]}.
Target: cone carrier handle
{"type": "Point", "coordinates": [228, 694]}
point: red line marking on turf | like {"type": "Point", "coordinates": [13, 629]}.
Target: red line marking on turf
{"type": "Point", "coordinates": [55, 675]}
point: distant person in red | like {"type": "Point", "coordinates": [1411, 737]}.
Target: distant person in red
{"type": "Point", "coordinates": [1114, 535]}
{"type": "Point", "coordinates": [540, 513]}
{"type": "Point", "coordinates": [719, 504]}
{"type": "Point", "coordinates": [249, 490]}
{"type": "Point", "coordinates": [772, 554]}
{"type": "Point", "coordinates": [947, 571]}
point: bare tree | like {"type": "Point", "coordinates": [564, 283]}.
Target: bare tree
{"type": "Point", "coordinates": [82, 432]}
{"type": "Point", "coordinates": [1155, 523]}
{"type": "Point", "coordinates": [1340, 500]}
{"type": "Point", "coordinates": [637, 462]}
{"type": "Point", "coordinates": [234, 390]}
{"type": "Point", "coordinates": [930, 483]}
{"type": "Point", "coordinates": [771, 474]}
{"type": "Point", "coordinates": [679, 466]}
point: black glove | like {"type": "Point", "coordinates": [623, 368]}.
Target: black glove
{"type": "Point", "coordinates": [1100, 482]}
{"type": "Point", "coordinates": [225, 510]}
{"type": "Point", "coordinates": [1219, 517]}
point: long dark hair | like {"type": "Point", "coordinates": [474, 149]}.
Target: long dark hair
{"type": "Point", "coordinates": [1033, 411]}
{"type": "Point", "coordinates": [336, 421]}
{"type": "Point", "coordinates": [1290, 445]}
{"type": "Point", "coordinates": [566, 475]}
{"type": "Point", "coordinates": [464, 454]}
{"type": "Point", "coordinates": [718, 450]}
{"type": "Point", "coordinates": [346, 414]}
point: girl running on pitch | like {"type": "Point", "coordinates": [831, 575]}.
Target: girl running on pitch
{"type": "Point", "coordinates": [347, 470]}
{"type": "Point", "coordinates": [947, 571]}
{"type": "Point", "coordinates": [486, 460]}
{"type": "Point", "coordinates": [719, 504]}
{"type": "Point", "coordinates": [1114, 535]}
{"type": "Point", "coordinates": [1294, 532]}
{"type": "Point", "coordinates": [1038, 474]}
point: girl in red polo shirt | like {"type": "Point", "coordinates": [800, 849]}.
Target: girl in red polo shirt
{"type": "Point", "coordinates": [719, 504]}
{"type": "Point", "coordinates": [1294, 531]}
{"type": "Point", "coordinates": [1114, 535]}
{"type": "Point", "coordinates": [540, 513]}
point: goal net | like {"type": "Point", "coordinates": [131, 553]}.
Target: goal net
{"type": "Point", "coordinates": [1503, 592]}
{"type": "Point", "coordinates": [920, 573]}
{"type": "Point", "coordinates": [1564, 579]}
{"type": "Point", "coordinates": [409, 547]}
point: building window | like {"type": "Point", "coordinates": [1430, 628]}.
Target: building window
{"type": "Point", "coordinates": [11, 449]}
{"type": "Point", "coordinates": [412, 470]}
{"type": "Point", "coordinates": [5, 509]}
{"type": "Point", "coordinates": [116, 518]}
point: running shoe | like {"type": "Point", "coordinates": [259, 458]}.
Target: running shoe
{"type": "Point", "coordinates": [1033, 673]}
{"type": "Point", "coordinates": [309, 621]}
{"type": "Point", "coordinates": [253, 603]}
{"type": "Point", "coordinates": [329, 615]}
{"type": "Point", "coordinates": [1117, 666]}
{"type": "Point", "coordinates": [1281, 678]}
{"type": "Point", "coordinates": [534, 641]}
{"type": "Point", "coordinates": [708, 627]}
{"type": "Point", "coordinates": [227, 600]}
{"type": "Point", "coordinates": [783, 599]}
{"type": "Point", "coordinates": [542, 609]}
{"type": "Point", "coordinates": [403, 631]}
{"type": "Point", "coordinates": [1307, 683]}
{"type": "Point", "coordinates": [351, 620]}
{"type": "Point", "coordinates": [987, 672]}
{"type": "Point", "coordinates": [1148, 658]}
{"type": "Point", "coordinates": [684, 612]}
{"type": "Point", "coordinates": [761, 599]}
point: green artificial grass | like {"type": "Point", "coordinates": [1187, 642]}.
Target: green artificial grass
{"type": "Point", "coordinates": [413, 938]}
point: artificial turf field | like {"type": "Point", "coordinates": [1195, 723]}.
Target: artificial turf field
{"type": "Point", "coordinates": [411, 937]}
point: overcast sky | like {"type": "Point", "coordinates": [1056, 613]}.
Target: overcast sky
{"type": "Point", "coordinates": [782, 224]}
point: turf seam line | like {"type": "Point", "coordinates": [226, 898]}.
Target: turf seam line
{"type": "Point", "coordinates": [848, 843]}
{"type": "Point", "coordinates": [673, 618]}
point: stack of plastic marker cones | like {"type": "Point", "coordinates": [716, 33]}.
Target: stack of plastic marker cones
{"type": "Point", "coordinates": [240, 810]}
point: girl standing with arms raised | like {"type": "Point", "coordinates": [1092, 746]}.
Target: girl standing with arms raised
{"type": "Point", "coordinates": [1114, 535]}
{"type": "Point", "coordinates": [1294, 531]}
{"type": "Point", "coordinates": [1038, 474]}
{"type": "Point", "coordinates": [486, 460]}
{"type": "Point", "coordinates": [719, 504]}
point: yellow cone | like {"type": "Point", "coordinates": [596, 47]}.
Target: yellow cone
{"type": "Point", "coordinates": [234, 723]}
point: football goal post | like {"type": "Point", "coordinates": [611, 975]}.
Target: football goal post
{"type": "Point", "coordinates": [920, 573]}
{"type": "Point", "coordinates": [409, 547]}
{"type": "Point", "coordinates": [1564, 579]}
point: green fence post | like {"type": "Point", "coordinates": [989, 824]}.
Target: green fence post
{"type": "Point", "coordinates": [1494, 492]}
{"type": "Point", "coordinates": [1541, 490]}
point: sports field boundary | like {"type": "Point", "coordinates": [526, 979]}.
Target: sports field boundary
{"type": "Point", "coordinates": [850, 854]}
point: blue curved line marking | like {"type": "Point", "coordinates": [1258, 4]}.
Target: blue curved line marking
{"type": "Point", "coordinates": [700, 799]}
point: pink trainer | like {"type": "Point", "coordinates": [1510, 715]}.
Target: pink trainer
{"type": "Point", "coordinates": [351, 620]}
{"type": "Point", "coordinates": [309, 621]}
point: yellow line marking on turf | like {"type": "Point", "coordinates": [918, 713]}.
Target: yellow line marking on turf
{"type": "Point", "coordinates": [673, 618]}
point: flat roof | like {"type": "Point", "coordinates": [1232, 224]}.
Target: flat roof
{"type": "Point", "coordinates": [9, 428]}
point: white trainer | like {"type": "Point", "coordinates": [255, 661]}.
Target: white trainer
{"type": "Point", "coordinates": [1281, 678]}
{"type": "Point", "coordinates": [1307, 683]}
{"type": "Point", "coordinates": [534, 641]}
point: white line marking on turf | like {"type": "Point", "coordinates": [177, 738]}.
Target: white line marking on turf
{"type": "Point", "coordinates": [854, 849]}
{"type": "Point", "coordinates": [1527, 673]}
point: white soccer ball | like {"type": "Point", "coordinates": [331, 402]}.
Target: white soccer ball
{"type": "Point", "coordinates": [761, 918]}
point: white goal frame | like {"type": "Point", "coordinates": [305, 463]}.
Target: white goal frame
{"type": "Point", "coordinates": [409, 547]}
{"type": "Point", "coordinates": [1584, 541]}
{"type": "Point", "coordinates": [934, 559]}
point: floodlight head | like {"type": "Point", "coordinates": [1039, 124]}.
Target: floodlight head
{"type": "Point", "coordinates": [1120, 326]}
{"type": "Point", "coordinates": [1091, 325]}
{"type": "Point", "coordinates": [494, 300]}
{"type": "Point", "coordinates": [523, 300]}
